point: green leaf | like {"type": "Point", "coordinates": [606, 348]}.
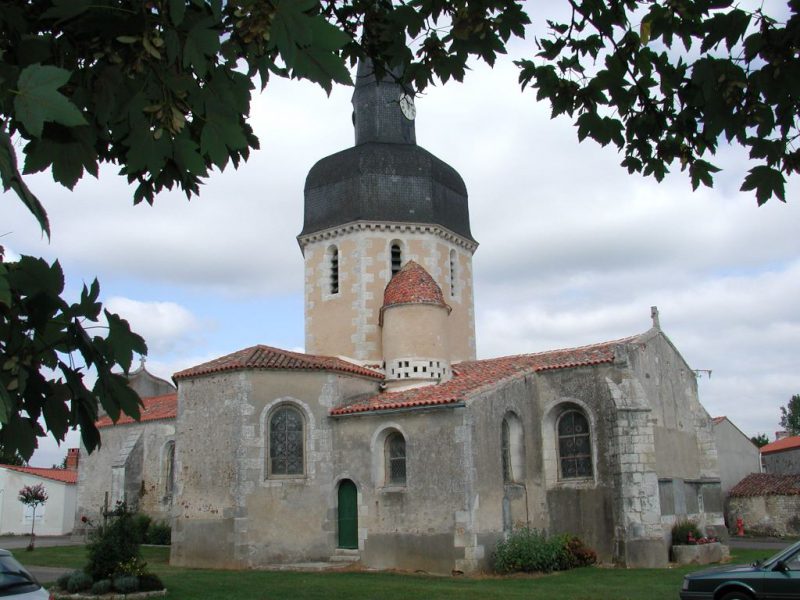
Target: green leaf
{"type": "Point", "coordinates": [186, 155]}
{"type": "Point", "coordinates": [69, 156]}
{"type": "Point", "coordinates": [766, 181]}
{"type": "Point", "coordinates": [66, 9]}
{"type": "Point", "coordinates": [38, 100]}
{"type": "Point", "coordinates": [177, 10]}
{"type": "Point", "coordinates": [5, 288]}
{"type": "Point", "coordinates": [6, 405]}
{"type": "Point", "coordinates": [122, 342]}
{"type": "Point", "coordinates": [11, 179]}
{"type": "Point", "coordinates": [202, 42]}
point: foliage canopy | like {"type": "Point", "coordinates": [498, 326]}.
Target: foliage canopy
{"type": "Point", "coordinates": [790, 416]}
{"type": "Point", "coordinates": [162, 88]}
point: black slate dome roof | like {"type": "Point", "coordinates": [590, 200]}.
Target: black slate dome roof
{"type": "Point", "coordinates": [399, 183]}
{"type": "Point", "coordinates": [385, 177]}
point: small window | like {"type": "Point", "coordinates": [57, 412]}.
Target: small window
{"type": "Point", "coordinates": [397, 258]}
{"type": "Point", "coordinates": [395, 459]}
{"type": "Point", "coordinates": [334, 272]}
{"type": "Point", "coordinates": [505, 448]}
{"type": "Point", "coordinates": [286, 442]}
{"type": "Point", "coordinates": [452, 272]}
{"type": "Point", "coordinates": [574, 446]}
{"type": "Point", "coordinates": [168, 470]}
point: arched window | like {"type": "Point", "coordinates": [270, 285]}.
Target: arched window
{"type": "Point", "coordinates": [168, 470]}
{"type": "Point", "coordinates": [395, 453]}
{"type": "Point", "coordinates": [286, 442]}
{"type": "Point", "coordinates": [396, 258]}
{"type": "Point", "coordinates": [453, 272]}
{"type": "Point", "coordinates": [505, 448]}
{"type": "Point", "coordinates": [511, 450]}
{"type": "Point", "coordinates": [333, 253]}
{"type": "Point", "coordinates": [574, 445]}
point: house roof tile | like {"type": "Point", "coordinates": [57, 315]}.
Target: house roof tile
{"type": "Point", "coordinates": [63, 475]}
{"type": "Point", "coordinates": [767, 484]}
{"type": "Point", "coordinates": [470, 378]}
{"type": "Point", "coordinates": [412, 285]}
{"type": "Point", "coordinates": [153, 409]}
{"type": "Point", "coordinates": [718, 420]}
{"type": "Point", "coordinates": [787, 443]}
{"type": "Point", "coordinates": [268, 358]}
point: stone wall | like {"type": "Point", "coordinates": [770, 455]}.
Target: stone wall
{"type": "Point", "coordinates": [782, 463]}
{"type": "Point", "coordinates": [769, 515]}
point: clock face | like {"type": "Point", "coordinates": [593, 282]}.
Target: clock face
{"type": "Point", "coordinates": [407, 107]}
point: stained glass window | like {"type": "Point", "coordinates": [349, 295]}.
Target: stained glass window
{"type": "Point", "coordinates": [574, 446]}
{"type": "Point", "coordinates": [286, 442]}
{"type": "Point", "coordinates": [396, 459]}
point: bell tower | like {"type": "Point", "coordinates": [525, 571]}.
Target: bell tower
{"type": "Point", "coordinates": [369, 210]}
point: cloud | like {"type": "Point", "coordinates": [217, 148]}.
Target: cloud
{"type": "Point", "coordinates": [166, 326]}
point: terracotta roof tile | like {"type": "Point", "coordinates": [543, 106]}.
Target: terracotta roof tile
{"type": "Point", "coordinates": [767, 484]}
{"type": "Point", "coordinates": [155, 408]}
{"type": "Point", "coordinates": [470, 378]}
{"type": "Point", "coordinates": [62, 475]}
{"type": "Point", "coordinates": [412, 285]}
{"type": "Point", "coordinates": [787, 443]}
{"type": "Point", "coordinates": [718, 420]}
{"type": "Point", "coordinates": [266, 357]}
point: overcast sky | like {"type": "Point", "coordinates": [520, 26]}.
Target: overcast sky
{"type": "Point", "coordinates": [573, 250]}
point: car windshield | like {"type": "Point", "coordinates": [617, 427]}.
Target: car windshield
{"type": "Point", "coordinates": [787, 554]}
{"type": "Point", "coordinates": [13, 574]}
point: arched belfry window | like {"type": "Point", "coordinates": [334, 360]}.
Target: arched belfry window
{"type": "Point", "coordinates": [511, 449]}
{"type": "Point", "coordinates": [395, 454]}
{"type": "Point", "coordinates": [453, 275]}
{"type": "Point", "coordinates": [333, 253]}
{"type": "Point", "coordinates": [574, 445]}
{"type": "Point", "coordinates": [396, 258]}
{"type": "Point", "coordinates": [286, 442]}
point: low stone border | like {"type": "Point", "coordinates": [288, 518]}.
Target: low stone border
{"type": "Point", "coordinates": [700, 554]}
{"type": "Point", "coordinates": [112, 596]}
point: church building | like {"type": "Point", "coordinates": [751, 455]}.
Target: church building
{"type": "Point", "coordinates": [387, 442]}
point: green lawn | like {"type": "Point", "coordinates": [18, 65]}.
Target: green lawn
{"type": "Point", "coordinates": [591, 583]}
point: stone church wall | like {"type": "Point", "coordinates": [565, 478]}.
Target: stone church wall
{"type": "Point", "coordinates": [782, 463]}
{"type": "Point", "coordinates": [229, 512]}
{"type": "Point", "coordinates": [420, 525]}
{"type": "Point", "coordinates": [127, 467]}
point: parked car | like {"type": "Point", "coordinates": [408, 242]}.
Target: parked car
{"type": "Point", "coordinates": [776, 577]}
{"type": "Point", "coordinates": [16, 583]}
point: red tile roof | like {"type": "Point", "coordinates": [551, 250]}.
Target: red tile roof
{"type": "Point", "coordinates": [787, 443]}
{"type": "Point", "coordinates": [62, 475]}
{"type": "Point", "coordinates": [718, 420]}
{"type": "Point", "coordinates": [266, 357]}
{"type": "Point", "coordinates": [412, 285]}
{"type": "Point", "coordinates": [155, 408]}
{"type": "Point", "coordinates": [470, 378]}
{"type": "Point", "coordinates": [766, 484]}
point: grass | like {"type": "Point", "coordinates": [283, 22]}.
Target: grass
{"type": "Point", "coordinates": [591, 583]}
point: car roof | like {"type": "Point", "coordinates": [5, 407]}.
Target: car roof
{"type": "Point", "coordinates": [4, 552]}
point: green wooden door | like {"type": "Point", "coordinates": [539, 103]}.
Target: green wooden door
{"type": "Point", "coordinates": [348, 515]}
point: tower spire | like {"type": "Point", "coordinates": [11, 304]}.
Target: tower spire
{"type": "Point", "coordinates": [383, 111]}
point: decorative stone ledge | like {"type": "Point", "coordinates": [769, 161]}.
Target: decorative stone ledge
{"type": "Point", "coordinates": [700, 554]}
{"type": "Point", "coordinates": [59, 595]}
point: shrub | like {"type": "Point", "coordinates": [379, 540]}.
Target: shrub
{"type": "Point", "coordinates": [78, 582]}
{"type": "Point", "coordinates": [101, 587]}
{"type": "Point", "coordinates": [135, 566]}
{"type": "Point", "coordinates": [62, 581]}
{"type": "Point", "coordinates": [140, 524]}
{"type": "Point", "coordinates": [681, 531]}
{"type": "Point", "coordinates": [159, 534]}
{"type": "Point", "coordinates": [150, 583]}
{"type": "Point", "coordinates": [126, 584]}
{"type": "Point", "coordinates": [112, 545]}
{"type": "Point", "coordinates": [529, 550]}
{"type": "Point", "coordinates": [580, 554]}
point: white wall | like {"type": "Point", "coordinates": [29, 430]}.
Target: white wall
{"type": "Point", "coordinates": [55, 517]}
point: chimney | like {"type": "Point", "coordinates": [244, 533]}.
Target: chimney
{"type": "Point", "coordinates": [779, 435]}
{"type": "Point", "coordinates": [73, 454]}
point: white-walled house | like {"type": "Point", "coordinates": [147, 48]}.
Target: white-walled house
{"type": "Point", "coordinates": [54, 517]}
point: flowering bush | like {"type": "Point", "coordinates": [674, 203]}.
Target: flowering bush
{"type": "Point", "coordinates": [686, 533]}
{"type": "Point", "coordinates": [33, 496]}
